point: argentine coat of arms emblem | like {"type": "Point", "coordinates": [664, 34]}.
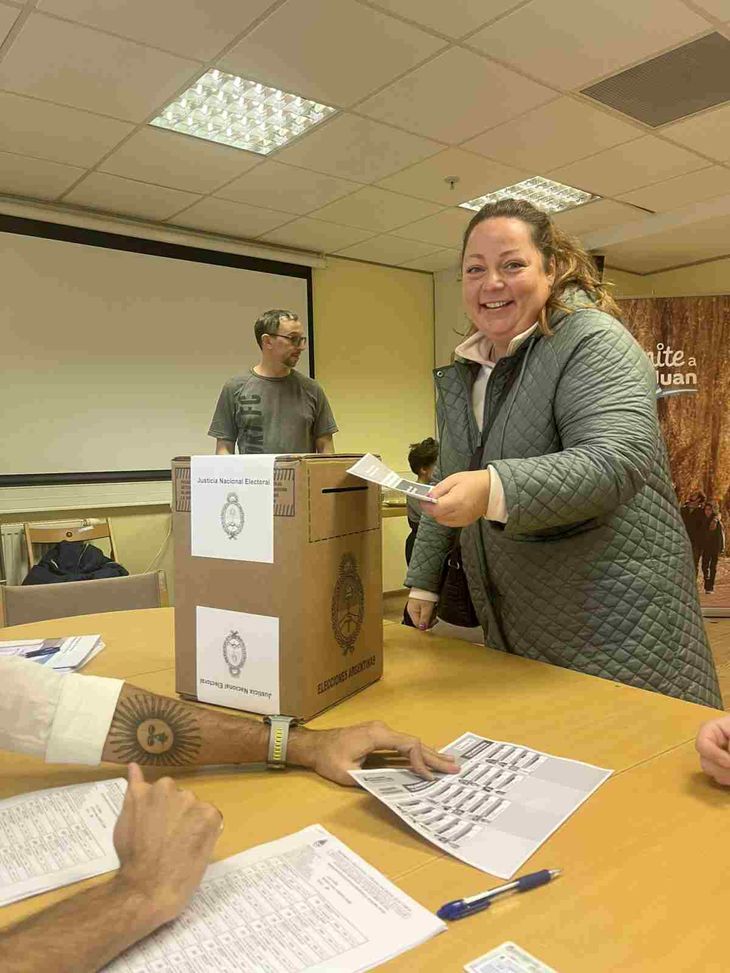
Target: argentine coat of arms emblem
{"type": "Point", "coordinates": [348, 605]}
{"type": "Point", "coordinates": [232, 518]}
{"type": "Point", "coordinates": [234, 653]}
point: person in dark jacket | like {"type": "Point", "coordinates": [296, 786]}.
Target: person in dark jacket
{"type": "Point", "coordinates": [713, 544]}
{"type": "Point", "coordinates": [695, 522]}
{"type": "Point", "coordinates": [553, 466]}
{"type": "Point", "coordinates": [422, 461]}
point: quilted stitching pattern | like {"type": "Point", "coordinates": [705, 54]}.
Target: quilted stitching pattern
{"type": "Point", "coordinates": [593, 570]}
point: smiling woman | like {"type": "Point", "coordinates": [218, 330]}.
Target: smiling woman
{"type": "Point", "coordinates": [506, 282]}
{"type": "Point", "coordinates": [552, 464]}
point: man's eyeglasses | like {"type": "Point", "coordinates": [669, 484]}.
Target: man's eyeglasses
{"type": "Point", "coordinates": [298, 340]}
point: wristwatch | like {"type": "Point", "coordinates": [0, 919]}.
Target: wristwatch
{"type": "Point", "coordinates": [278, 740]}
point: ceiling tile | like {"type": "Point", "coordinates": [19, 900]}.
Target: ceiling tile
{"type": "Point", "coordinates": [22, 176]}
{"type": "Point", "coordinates": [476, 175]}
{"type": "Point", "coordinates": [597, 216]}
{"type": "Point", "coordinates": [708, 133]}
{"type": "Point", "coordinates": [672, 248]}
{"type": "Point", "coordinates": [55, 132]}
{"type": "Point", "coordinates": [376, 209]}
{"type": "Point", "coordinates": [357, 148]}
{"type": "Point", "coordinates": [8, 16]}
{"type": "Point", "coordinates": [682, 190]}
{"type": "Point", "coordinates": [192, 28]}
{"type": "Point", "coordinates": [446, 99]}
{"type": "Point", "coordinates": [179, 161]}
{"type": "Point", "coordinates": [387, 250]}
{"type": "Point", "coordinates": [443, 230]}
{"type": "Point", "coordinates": [441, 260]}
{"type": "Point", "coordinates": [308, 234]}
{"type": "Point", "coordinates": [73, 65]}
{"type": "Point", "coordinates": [631, 165]}
{"type": "Point", "coordinates": [454, 19]}
{"type": "Point", "coordinates": [569, 44]}
{"type": "Point", "coordinates": [286, 188]}
{"type": "Point", "coordinates": [233, 219]}
{"type": "Point", "coordinates": [553, 135]}
{"type": "Point", "coordinates": [115, 195]}
{"type": "Point", "coordinates": [335, 51]}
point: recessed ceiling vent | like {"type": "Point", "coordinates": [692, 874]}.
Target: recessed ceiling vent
{"type": "Point", "coordinates": [671, 86]}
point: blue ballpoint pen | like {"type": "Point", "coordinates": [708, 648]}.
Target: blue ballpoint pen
{"type": "Point", "coordinates": [36, 653]}
{"type": "Point", "coordinates": [461, 908]}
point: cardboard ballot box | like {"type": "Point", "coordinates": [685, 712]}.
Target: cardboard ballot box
{"type": "Point", "coordinates": [278, 590]}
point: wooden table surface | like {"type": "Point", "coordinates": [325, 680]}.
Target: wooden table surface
{"type": "Point", "coordinates": [643, 884]}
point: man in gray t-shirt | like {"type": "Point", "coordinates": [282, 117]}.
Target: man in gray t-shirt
{"type": "Point", "coordinates": [274, 409]}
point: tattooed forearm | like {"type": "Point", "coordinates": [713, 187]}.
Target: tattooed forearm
{"type": "Point", "coordinates": [164, 732]}
{"type": "Point", "coordinates": [149, 729]}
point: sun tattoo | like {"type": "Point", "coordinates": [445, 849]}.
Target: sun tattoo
{"type": "Point", "coordinates": [153, 730]}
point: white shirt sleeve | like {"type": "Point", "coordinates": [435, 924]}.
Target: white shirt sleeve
{"type": "Point", "coordinates": [64, 718]}
{"type": "Point", "coordinates": [423, 595]}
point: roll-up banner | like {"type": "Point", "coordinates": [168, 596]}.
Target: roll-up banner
{"type": "Point", "coordinates": [688, 342]}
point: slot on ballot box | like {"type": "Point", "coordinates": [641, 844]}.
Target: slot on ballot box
{"type": "Point", "coordinates": [278, 581]}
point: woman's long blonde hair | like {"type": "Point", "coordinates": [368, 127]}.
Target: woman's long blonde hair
{"type": "Point", "coordinates": [574, 267]}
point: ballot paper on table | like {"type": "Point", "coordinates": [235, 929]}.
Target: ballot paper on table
{"type": "Point", "coordinates": [370, 468]}
{"type": "Point", "coordinates": [67, 654]}
{"type": "Point", "coordinates": [57, 836]}
{"type": "Point", "coordinates": [302, 904]}
{"type": "Point", "coordinates": [496, 812]}
{"type": "Point", "coordinates": [507, 958]}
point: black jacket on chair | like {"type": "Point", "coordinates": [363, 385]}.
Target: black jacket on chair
{"type": "Point", "coordinates": [73, 561]}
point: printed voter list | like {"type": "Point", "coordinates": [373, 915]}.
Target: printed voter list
{"type": "Point", "coordinates": [232, 507]}
{"type": "Point", "coordinates": [305, 903]}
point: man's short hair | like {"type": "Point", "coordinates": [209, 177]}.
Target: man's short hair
{"type": "Point", "coordinates": [269, 322]}
{"type": "Point", "coordinates": [423, 454]}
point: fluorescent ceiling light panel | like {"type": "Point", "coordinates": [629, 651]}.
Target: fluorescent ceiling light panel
{"type": "Point", "coordinates": [552, 197]}
{"type": "Point", "coordinates": [244, 114]}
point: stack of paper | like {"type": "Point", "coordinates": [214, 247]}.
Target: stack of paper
{"type": "Point", "coordinates": [58, 836]}
{"type": "Point", "coordinates": [63, 654]}
{"type": "Point", "coordinates": [302, 904]}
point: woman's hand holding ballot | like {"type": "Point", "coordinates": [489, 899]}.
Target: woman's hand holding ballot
{"type": "Point", "coordinates": [462, 498]}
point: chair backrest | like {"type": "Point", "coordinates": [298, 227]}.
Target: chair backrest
{"type": "Point", "coordinates": [53, 535]}
{"type": "Point", "coordinates": [33, 603]}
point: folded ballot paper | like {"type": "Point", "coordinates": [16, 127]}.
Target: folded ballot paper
{"type": "Point", "coordinates": [495, 813]}
{"type": "Point", "coordinates": [370, 468]}
{"type": "Point", "coordinates": [62, 654]}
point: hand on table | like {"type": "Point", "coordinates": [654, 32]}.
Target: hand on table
{"type": "Point", "coordinates": [712, 743]}
{"type": "Point", "coordinates": [164, 838]}
{"type": "Point", "coordinates": [423, 613]}
{"type": "Point", "coordinates": [333, 753]}
{"type": "Point", "coordinates": [462, 498]}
